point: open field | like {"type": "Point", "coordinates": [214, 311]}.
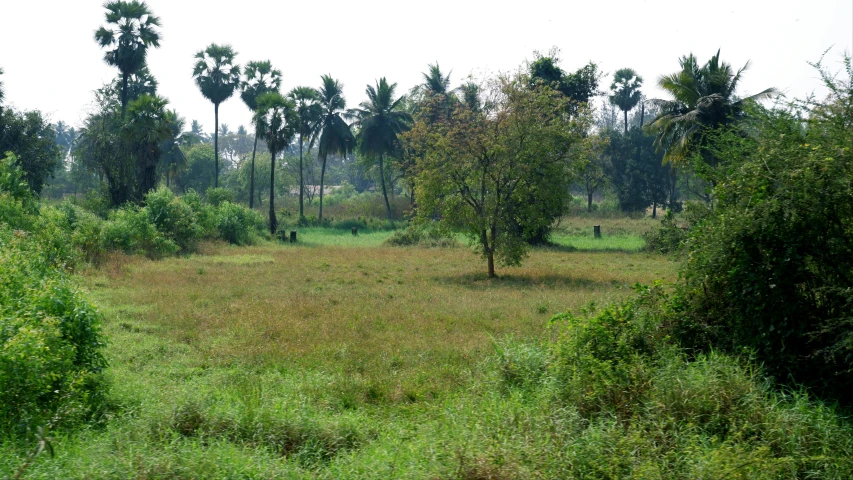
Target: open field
{"type": "Point", "coordinates": [342, 358]}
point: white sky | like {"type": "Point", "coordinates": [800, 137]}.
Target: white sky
{"type": "Point", "coordinates": [53, 64]}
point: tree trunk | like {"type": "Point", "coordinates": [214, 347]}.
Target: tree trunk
{"type": "Point", "coordinates": [123, 93]}
{"type": "Point", "coordinates": [492, 265]}
{"type": "Point", "coordinates": [252, 174]}
{"type": "Point", "coordinates": [589, 200]}
{"type": "Point", "coordinates": [642, 113]}
{"type": "Point", "coordinates": [322, 179]}
{"type": "Point", "coordinates": [490, 256]}
{"type": "Point", "coordinates": [301, 182]}
{"type": "Point", "coordinates": [273, 221]}
{"type": "Point", "coordinates": [626, 120]}
{"type": "Point", "coordinates": [382, 180]}
{"type": "Point", "coordinates": [654, 208]}
{"type": "Point", "coordinates": [216, 143]}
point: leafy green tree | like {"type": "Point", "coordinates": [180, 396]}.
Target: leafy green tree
{"type": "Point", "coordinates": [197, 172]}
{"type": "Point", "coordinates": [132, 31]}
{"type": "Point", "coordinates": [33, 141]}
{"type": "Point", "coordinates": [636, 171]}
{"type": "Point", "coordinates": [146, 128]}
{"type": "Point", "coordinates": [309, 111]}
{"type": "Point", "coordinates": [65, 137]}
{"type": "Point", "coordinates": [702, 98]}
{"type": "Point", "coordinates": [579, 86]}
{"type": "Point", "coordinates": [625, 91]}
{"type": "Point", "coordinates": [496, 174]}
{"type": "Point", "coordinates": [277, 122]}
{"type": "Point", "coordinates": [102, 148]}
{"type": "Point", "coordinates": [380, 121]}
{"type": "Point", "coordinates": [218, 77]}
{"type": "Point", "coordinates": [172, 157]}
{"type": "Point", "coordinates": [332, 133]}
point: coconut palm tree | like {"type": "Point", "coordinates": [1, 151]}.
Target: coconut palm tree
{"type": "Point", "coordinates": [309, 110]}
{"type": "Point", "coordinates": [276, 121]}
{"type": "Point", "coordinates": [380, 121]}
{"type": "Point", "coordinates": [258, 78]}
{"type": "Point", "coordinates": [702, 98]}
{"type": "Point", "coordinates": [146, 127]}
{"type": "Point", "coordinates": [217, 76]}
{"type": "Point", "coordinates": [332, 133]}
{"type": "Point", "coordinates": [625, 91]}
{"type": "Point", "coordinates": [132, 31]}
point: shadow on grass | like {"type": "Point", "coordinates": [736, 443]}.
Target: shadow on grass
{"type": "Point", "coordinates": [481, 281]}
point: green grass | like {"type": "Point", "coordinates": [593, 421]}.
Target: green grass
{"type": "Point", "coordinates": [607, 243]}
{"type": "Point", "coordinates": [315, 361]}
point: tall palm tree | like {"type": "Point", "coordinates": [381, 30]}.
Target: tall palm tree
{"type": "Point", "coordinates": [217, 76]}
{"type": "Point", "coordinates": [332, 133]}
{"type": "Point", "coordinates": [258, 78]}
{"type": "Point", "coordinates": [276, 121]}
{"type": "Point", "coordinates": [625, 91]}
{"type": "Point", "coordinates": [380, 120]}
{"type": "Point", "coordinates": [147, 126]}
{"type": "Point", "coordinates": [309, 110]}
{"type": "Point", "coordinates": [702, 98]}
{"type": "Point", "coordinates": [132, 30]}
{"type": "Point", "coordinates": [436, 83]}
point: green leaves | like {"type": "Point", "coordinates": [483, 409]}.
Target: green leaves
{"type": "Point", "coordinates": [215, 72]}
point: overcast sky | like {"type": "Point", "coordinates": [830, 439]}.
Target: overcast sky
{"type": "Point", "coordinates": [53, 64]}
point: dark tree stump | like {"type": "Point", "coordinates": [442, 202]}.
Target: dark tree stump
{"type": "Point", "coordinates": [293, 236]}
{"type": "Point", "coordinates": [596, 231]}
{"type": "Point", "coordinates": [354, 231]}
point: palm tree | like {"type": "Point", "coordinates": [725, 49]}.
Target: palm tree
{"type": "Point", "coordinates": [217, 76]}
{"type": "Point", "coordinates": [132, 30]}
{"type": "Point", "coordinates": [259, 78]}
{"type": "Point", "coordinates": [625, 91]}
{"type": "Point", "coordinates": [380, 121]}
{"type": "Point", "coordinates": [703, 98]}
{"type": "Point", "coordinates": [172, 157]}
{"type": "Point", "coordinates": [146, 128]}
{"type": "Point", "coordinates": [332, 133]}
{"type": "Point", "coordinates": [309, 112]}
{"type": "Point", "coordinates": [276, 121]}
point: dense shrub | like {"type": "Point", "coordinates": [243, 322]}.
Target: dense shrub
{"type": "Point", "coordinates": [173, 218]}
{"type": "Point", "coordinates": [50, 339]}
{"type": "Point", "coordinates": [129, 230]}
{"type": "Point", "coordinates": [667, 238]}
{"type": "Point", "coordinates": [217, 196]}
{"type": "Point", "coordinates": [237, 224]}
{"type": "Point", "coordinates": [771, 268]}
{"type": "Point", "coordinates": [425, 236]}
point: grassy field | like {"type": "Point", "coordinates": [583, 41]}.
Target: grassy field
{"type": "Point", "coordinates": [339, 357]}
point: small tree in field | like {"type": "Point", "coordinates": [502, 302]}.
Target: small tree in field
{"type": "Point", "coordinates": [499, 173]}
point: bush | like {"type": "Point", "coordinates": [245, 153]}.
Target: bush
{"type": "Point", "coordinates": [237, 224]}
{"type": "Point", "coordinates": [129, 230]}
{"type": "Point", "coordinates": [770, 271]}
{"type": "Point", "coordinates": [425, 236]}
{"type": "Point", "coordinates": [217, 196]}
{"type": "Point", "coordinates": [50, 340]}
{"type": "Point", "coordinates": [602, 362]}
{"type": "Point", "coordinates": [174, 218]}
{"type": "Point", "coordinates": [666, 239]}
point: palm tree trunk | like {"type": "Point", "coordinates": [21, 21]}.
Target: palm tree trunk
{"type": "Point", "coordinates": [382, 180]}
{"type": "Point", "coordinates": [322, 179]}
{"type": "Point", "coordinates": [301, 182]}
{"type": "Point", "coordinates": [273, 221]}
{"type": "Point", "coordinates": [252, 173]}
{"type": "Point", "coordinates": [123, 93]}
{"type": "Point", "coordinates": [216, 143]}
{"type": "Point", "coordinates": [626, 120]}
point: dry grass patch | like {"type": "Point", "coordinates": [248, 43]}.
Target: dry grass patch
{"type": "Point", "coordinates": [400, 323]}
